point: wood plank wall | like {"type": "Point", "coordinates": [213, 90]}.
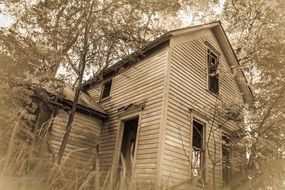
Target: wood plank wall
{"type": "Point", "coordinates": [142, 83]}
{"type": "Point", "coordinates": [188, 89]}
{"type": "Point", "coordinates": [82, 141]}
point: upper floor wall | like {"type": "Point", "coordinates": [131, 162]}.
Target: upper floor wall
{"type": "Point", "coordinates": [189, 64]}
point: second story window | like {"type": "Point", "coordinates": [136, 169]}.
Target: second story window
{"type": "Point", "coordinates": [213, 75]}
{"type": "Point", "coordinates": [106, 89]}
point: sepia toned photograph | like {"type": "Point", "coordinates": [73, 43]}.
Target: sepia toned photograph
{"type": "Point", "coordinates": [142, 95]}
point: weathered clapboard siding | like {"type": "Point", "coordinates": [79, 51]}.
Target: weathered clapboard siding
{"type": "Point", "coordinates": [142, 83]}
{"type": "Point", "coordinates": [82, 141]}
{"type": "Point", "coordinates": [188, 89]}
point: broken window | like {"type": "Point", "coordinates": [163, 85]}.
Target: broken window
{"type": "Point", "coordinates": [106, 89]}
{"type": "Point", "coordinates": [226, 166]}
{"type": "Point", "coordinates": [197, 149]}
{"type": "Point", "coordinates": [213, 75]}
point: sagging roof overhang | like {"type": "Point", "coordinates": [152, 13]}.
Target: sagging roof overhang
{"type": "Point", "coordinates": [65, 98]}
{"type": "Point", "coordinates": [217, 30]}
{"type": "Point", "coordinates": [84, 109]}
{"type": "Point", "coordinates": [85, 102]}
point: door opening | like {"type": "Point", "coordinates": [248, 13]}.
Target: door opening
{"type": "Point", "coordinates": [128, 145]}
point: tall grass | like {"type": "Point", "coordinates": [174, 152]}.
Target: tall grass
{"type": "Point", "coordinates": [26, 164]}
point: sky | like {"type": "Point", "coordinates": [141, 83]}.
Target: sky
{"type": "Point", "coordinates": [5, 20]}
{"type": "Point", "coordinates": [185, 16]}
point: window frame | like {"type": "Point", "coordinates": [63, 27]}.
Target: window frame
{"type": "Point", "coordinates": [204, 163]}
{"type": "Point", "coordinates": [217, 54]}
{"type": "Point", "coordinates": [210, 81]}
{"type": "Point", "coordinates": [226, 135]}
{"type": "Point", "coordinates": [103, 88]}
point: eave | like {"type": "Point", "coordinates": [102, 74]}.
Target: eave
{"type": "Point", "coordinates": [130, 60]}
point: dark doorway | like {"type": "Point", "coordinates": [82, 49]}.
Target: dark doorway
{"type": "Point", "coordinates": [128, 144]}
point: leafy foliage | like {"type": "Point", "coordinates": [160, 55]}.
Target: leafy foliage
{"type": "Point", "coordinates": [256, 29]}
{"type": "Point", "coordinates": [49, 33]}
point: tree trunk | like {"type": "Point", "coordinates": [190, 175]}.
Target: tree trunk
{"type": "Point", "coordinates": [70, 121]}
{"type": "Point", "coordinates": [77, 90]}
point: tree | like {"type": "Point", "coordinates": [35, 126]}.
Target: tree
{"type": "Point", "coordinates": [256, 29]}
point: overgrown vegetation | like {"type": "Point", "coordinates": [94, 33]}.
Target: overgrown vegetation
{"type": "Point", "coordinates": [25, 161]}
{"type": "Point", "coordinates": [63, 32]}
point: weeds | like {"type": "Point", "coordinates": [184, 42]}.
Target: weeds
{"type": "Point", "coordinates": [25, 163]}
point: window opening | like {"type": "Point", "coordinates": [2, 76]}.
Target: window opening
{"type": "Point", "coordinates": [226, 165]}
{"type": "Point", "coordinates": [106, 89]}
{"type": "Point", "coordinates": [197, 149]}
{"type": "Point", "coordinates": [213, 75]}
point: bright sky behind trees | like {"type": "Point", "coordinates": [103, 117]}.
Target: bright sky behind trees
{"type": "Point", "coordinates": [184, 15]}
{"type": "Point", "coordinates": [5, 20]}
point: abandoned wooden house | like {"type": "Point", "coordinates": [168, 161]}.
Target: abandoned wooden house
{"type": "Point", "coordinates": [156, 111]}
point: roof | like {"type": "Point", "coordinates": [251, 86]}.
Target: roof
{"type": "Point", "coordinates": [85, 103]}
{"type": "Point", "coordinates": [84, 99]}
{"type": "Point", "coordinates": [218, 31]}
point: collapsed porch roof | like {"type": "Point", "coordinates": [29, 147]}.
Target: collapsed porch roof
{"type": "Point", "coordinates": [65, 99]}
